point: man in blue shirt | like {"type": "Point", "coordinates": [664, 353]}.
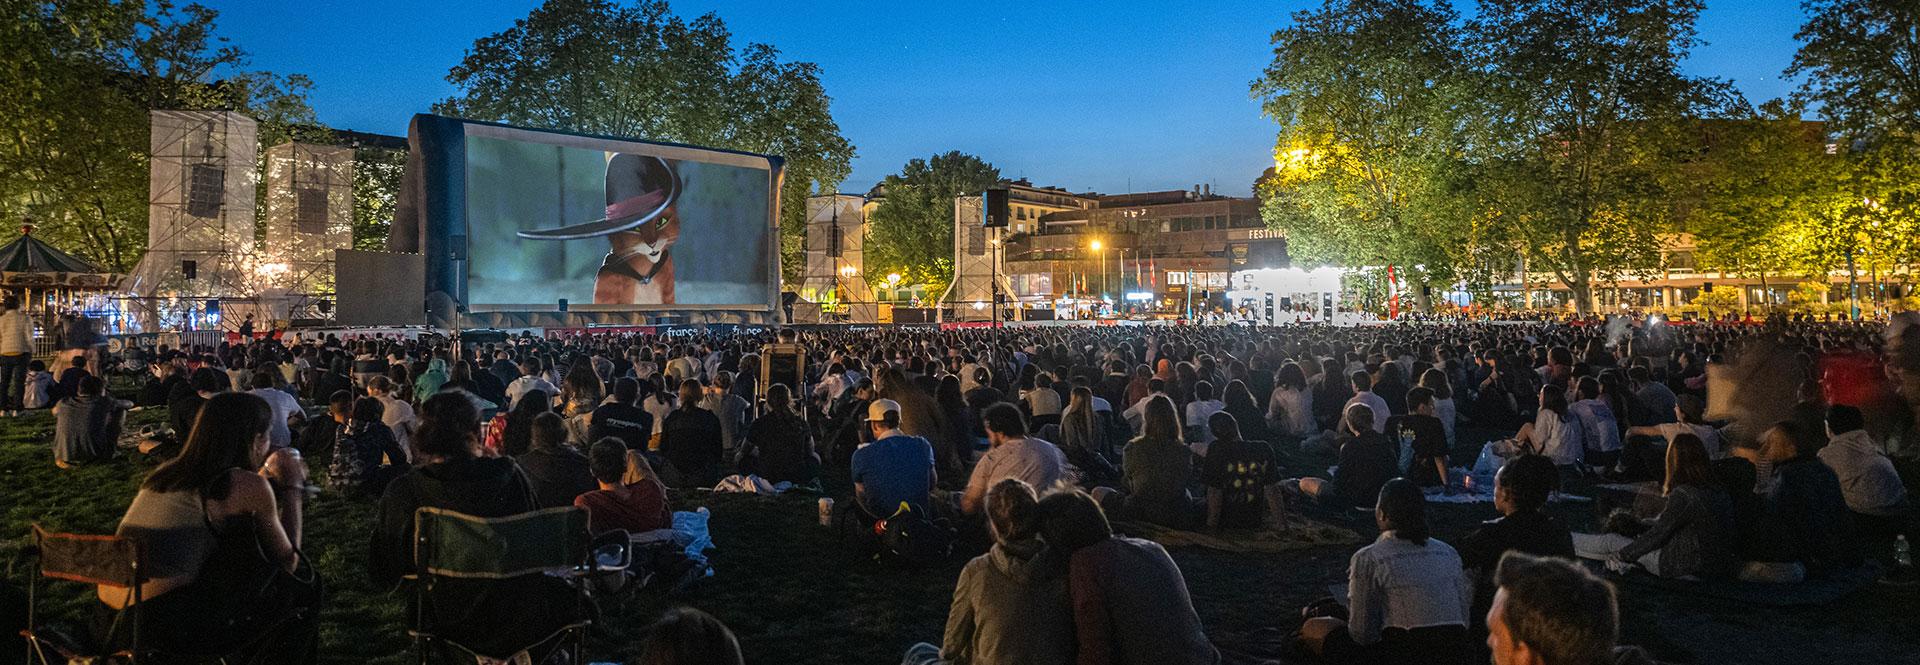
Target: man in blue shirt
{"type": "Point", "coordinates": [895, 468]}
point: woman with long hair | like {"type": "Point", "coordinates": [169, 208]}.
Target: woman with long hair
{"type": "Point", "coordinates": [219, 526]}
{"type": "Point", "coordinates": [582, 390]}
{"type": "Point", "coordinates": [517, 437]}
{"type": "Point", "coordinates": [1239, 402]}
{"type": "Point", "coordinates": [690, 440]}
{"type": "Point", "coordinates": [1156, 471]}
{"type": "Point", "coordinates": [1435, 379]}
{"type": "Point", "coordinates": [1290, 406]}
{"type": "Point", "coordinates": [958, 418]}
{"type": "Point", "coordinates": [1082, 438]}
{"type": "Point", "coordinates": [1693, 534]}
{"type": "Point", "coordinates": [1550, 433]}
{"type": "Point", "coordinates": [779, 445]}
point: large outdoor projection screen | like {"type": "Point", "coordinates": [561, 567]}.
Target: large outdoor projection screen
{"type": "Point", "coordinates": [518, 220]}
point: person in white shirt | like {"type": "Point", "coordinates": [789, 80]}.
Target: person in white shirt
{"type": "Point", "coordinates": [1868, 480]}
{"type": "Point", "coordinates": [1014, 454]}
{"type": "Point", "coordinates": [1290, 407]}
{"type": "Point", "coordinates": [1406, 580]}
{"type": "Point", "coordinates": [1552, 433]}
{"type": "Point", "coordinates": [1363, 394]}
{"type": "Point", "coordinates": [1136, 415]}
{"type": "Point", "coordinates": [279, 435]}
{"type": "Point", "coordinates": [16, 351]}
{"type": "Point", "coordinates": [1199, 411]}
{"type": "Point", "coordinates": [398, 415]}
{"type": "Point", "coordinates": [529, 380]}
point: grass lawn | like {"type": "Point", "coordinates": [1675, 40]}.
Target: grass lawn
{"type": "Point", "coordinates": [795, 597]}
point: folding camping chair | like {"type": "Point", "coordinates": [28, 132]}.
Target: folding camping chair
{"type": "Point", "coordinates": [456, 546]}
{"type": "Point", "coordinates": [101, 560]}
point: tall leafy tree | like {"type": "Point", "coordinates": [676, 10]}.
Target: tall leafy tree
{"type": "Point", "coordinates": [1761, 188]}
{"type": "Point", "coordinates": [78, 81]}
{"type": "Point", "coordinates": [911, 231]}
{"type": "Point", "coordinates": [1367, 94]}
{"type": "Point", "coordinates": [1860, 61]}
{"type": "Point", "coordinates": [637, 69]}
{"type": "Point", "coordinates": [1588, 107]}
{"type": "Point", "coordinates": [377, 178]}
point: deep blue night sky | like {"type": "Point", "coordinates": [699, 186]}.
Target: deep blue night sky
{"type": "Point", "coordinates": [1107, 96]}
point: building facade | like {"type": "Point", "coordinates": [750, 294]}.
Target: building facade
{"type": "Point", "coordinates": [1143, 252]}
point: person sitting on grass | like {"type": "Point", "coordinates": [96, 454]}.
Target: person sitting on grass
{"type": "Point", "coordinates": [1367, 461]}
{"type": "Point", "coordinates": [1130, 603]}
{"type": "Point", "coordinates": [622, 418]}
{"type": "Point", "coordinates": [690, 441]}
{"type": "Point", "coordinates": [490, 616]}
{"type": "Point", "coordinates": [1242, 479]}
{"type": "Point", "coordinates": [1549, 611]}
{"type": "Point", "coordinates": [1011, 604]}
{"type": "Point", "coordinates": [895, 470]}
{"type": "Point", "coordinates": [38, 390]}
{"type": "Point", "coordinates": [1868, 481]}
{"type": "Point", "coordinates": [1553, 432]}
{"type": "Point", "coordinates": [1407, 597]}
{"type": "Point", "coordinates": [558, 472]}
{"type": "Point", "coordinates": [365, 456]}
{"type": "Point", "coordinates": [68, 384]}
{"type": "Point", "coordinates": [224, 498]}
{"type": "Point", "coordinates": [1426, 437]}
{"type": "Point", "coordinates": [686, 636]}
{"type": "Point", "coordinates": [1520, 492]}
{"type": "Point", "coordinates": [318, 435]}
{"type": "Point", "coordinates": [630, 496]}
{"type": "Point", "coordinates": [1013, 454]}
{"type": "Point", "coordinates": [1805, 529]}
{"type": "Point", "coordinates": [1156, 470]}
{"type": "Point", "coordinates": [779, 445]}
{"type": "Point", "coordinates": [1692, 537]}
{"type": "Point", "coordinates": [86, 427]}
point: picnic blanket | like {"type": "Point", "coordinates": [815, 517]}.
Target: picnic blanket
{"type": "Point", "coordinates": [751, 485]}
{"type": "Point", "coordinates": [1477, 495]}
{"type": "Point", "coordinates": [1301, 534]}
{"type": "Point", "coordinates": [1814, 592]}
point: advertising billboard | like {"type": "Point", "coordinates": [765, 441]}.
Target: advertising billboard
{"type": "Point", "coordinates": [515, 219]}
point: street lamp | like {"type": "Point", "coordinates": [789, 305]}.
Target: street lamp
{"type": "Point", "coordinates": [1103, 270]}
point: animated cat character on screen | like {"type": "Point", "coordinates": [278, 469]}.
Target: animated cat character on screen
{"type": "Point", "coordinates": [641, 225]}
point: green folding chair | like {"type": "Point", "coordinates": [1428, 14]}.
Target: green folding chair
{"type": "Point", "coordinates": [87, 559]}
{"type": "Point", "coordinates": [454, 546]}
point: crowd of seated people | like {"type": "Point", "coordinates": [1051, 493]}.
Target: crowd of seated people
{"type": "Point", "coordinates": [1034, 437]}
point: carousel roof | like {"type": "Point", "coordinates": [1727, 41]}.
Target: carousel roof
{"type": "Point", "coordinates": [30, 261]}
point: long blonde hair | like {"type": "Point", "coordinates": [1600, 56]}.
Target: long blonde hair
{"type": "Point", "coordinates": [1076, 422]}
{"type": "Point", "coordinates": [1160, 422]}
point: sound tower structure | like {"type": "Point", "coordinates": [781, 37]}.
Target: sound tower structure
{"type": "Point", "coordinates": [979, 270]}
{"type": "Point", "coordinates": [836, 263]}
{"type": "Point", "coordinates": [309, 215]}
{"type": "Point", "coordinates": [200, 213]}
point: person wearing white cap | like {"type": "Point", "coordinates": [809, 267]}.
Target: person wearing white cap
{"type": "Point", "coordinates": [896, 468]}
